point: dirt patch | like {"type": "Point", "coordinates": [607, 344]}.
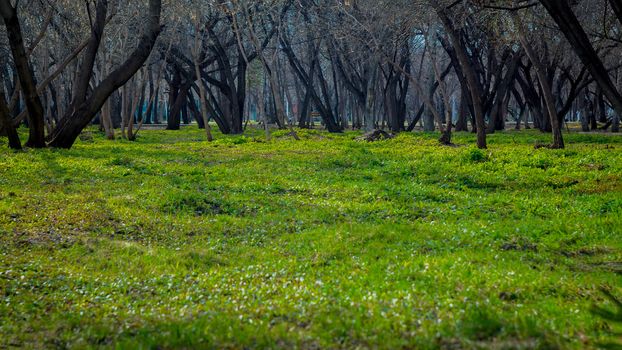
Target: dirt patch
{"type": "Point", "coordinates": [519, 246]}
{"type": "Point", "coordinates": [586, 252]}
{"type": "Point", "coordinates": [609, 266]}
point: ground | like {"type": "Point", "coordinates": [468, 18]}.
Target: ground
{"type": "Point", "coordinates": [324, 243]}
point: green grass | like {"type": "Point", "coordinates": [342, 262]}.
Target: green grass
{"type": "Point", "coordinates": [172, 242]}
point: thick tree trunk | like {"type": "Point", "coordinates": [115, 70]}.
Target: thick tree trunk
{"type": "Point", "coordinates": [601, 108]}
{"type": "Point", "coordinates": [185, 117]}
{"type": "Point", "coordinates": [175, 117]}
{"type": "Point", "coordinates": [173, 120]}
{"type": "Point", "coordinates": [72, 124]}
{"type": "Point", "coordinates": [36, 120]}
{"type": "Point", "coordinates": [461, 124]}
{"type": "Point", "coordinates": [7, 125]}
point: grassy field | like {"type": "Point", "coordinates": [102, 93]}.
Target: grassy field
{"type": "Point", "coordinates": [329, 242]}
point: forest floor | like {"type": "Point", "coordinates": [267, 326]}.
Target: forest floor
{"type": "Point", "coordinates": [324, 243]}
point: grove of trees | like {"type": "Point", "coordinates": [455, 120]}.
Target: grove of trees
{"type": "Point", "coordinates": [464, 65]}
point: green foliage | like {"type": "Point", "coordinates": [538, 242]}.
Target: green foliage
{"type": "Point", "coordinates": [327, 242]}
{"type": "Point", "coordinates": [476, 155]}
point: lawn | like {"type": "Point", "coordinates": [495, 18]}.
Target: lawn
{"type": "Point", "coordinates": [324, 243]}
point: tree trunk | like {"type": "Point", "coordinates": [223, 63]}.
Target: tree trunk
{"type": "Point", "coordinates": [125, 109]}
{"type": "Point", "coordinates": [72, 124]}
{"type": "Point", "coordinates": [7, 125]}
{"type": "Point", "coordinates": [173, 120]}
{"type": "Point", "coordinates": [470, 76]}
{"type": "Point", "coordinates": [461, 124]}
{"type": "Point", "coordinates": [563, 15]}
{"type": "Point", "coordinates": [36, 120]}
{"type": "Point", "coordinates": [549, 99]}
{"type": "Point", "coordinates": [583, 108]}
{"type": "Point", "coordinates": [497, 115]}
{"type": "Point", "coordinates": [262, 111]}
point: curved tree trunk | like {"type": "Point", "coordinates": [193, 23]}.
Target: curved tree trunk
{"type": "Point", "coordinates": [470, 76]}
{"type": "Point", "coordinates": [549, 99]}
{"type": "Point", "coordinates": [74, 121]}
{"type": "Point", "coordinates": [563, 15]}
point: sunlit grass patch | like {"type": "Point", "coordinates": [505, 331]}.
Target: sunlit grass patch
{"type": "Point", "coordinates": [327, 242]}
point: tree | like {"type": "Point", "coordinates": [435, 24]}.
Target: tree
{"type": "Point", "coordinates": [20, 58]}
{"type": "Point", "coordinates": [7, 124]}
{"type": "Point", "coordinates": [469, 73]}
{"type": "Point", "coordinates": [85, 106]}
{"type": "Point", "coordinates": [547, 92]}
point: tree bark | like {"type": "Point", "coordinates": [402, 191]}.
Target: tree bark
{"type": "Point", "coordinates": [203, 102]}
{"type": "Point", "coordinates": [563, 15]}
{"type": "Point", "coordinates": [74, 121]}
{"type": "Point", "coordinates": [7, 125]}
{"type": "Point", "coordinates": [36, 120]}
{"type": "Point", "coordinates": [461, 124]}
{"type": "Point", "coordinates": [85, 72]}
{"type": "Point", "coordinates": [549, 99]}
{"type": "Point", "coordinates": [470, 76]}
